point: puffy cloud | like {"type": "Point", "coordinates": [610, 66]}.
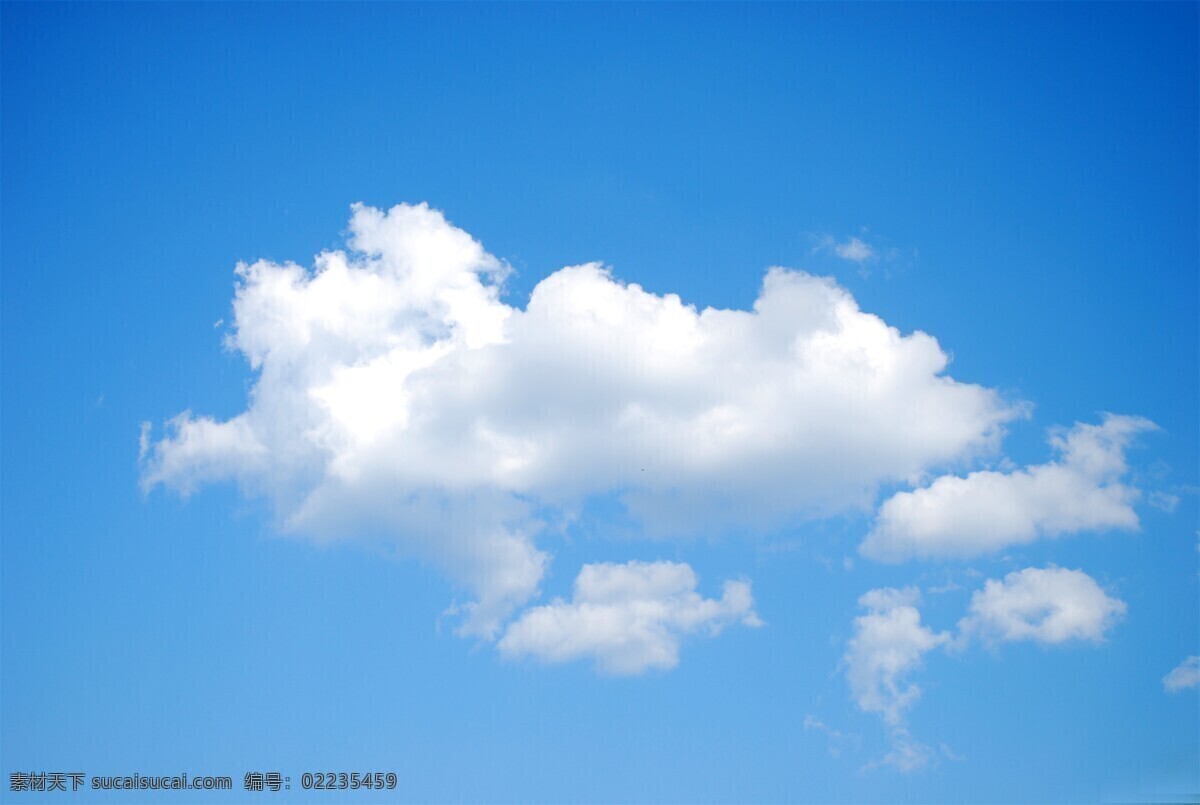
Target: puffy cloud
{"type": "Point", "coordinates": [627, 618]}
{"type": "Point", "coordinates": [398, 397]}
{"type": "Point", "coordinates": [988, 511]}
{"type": "Point", "coordinates": [1050, 605]}
{"type": "Point", "coordinates": [888, 644]}
{"type": "Point", "coordinates": [1183, 676]}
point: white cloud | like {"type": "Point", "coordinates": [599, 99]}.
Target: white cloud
{"type": "Point", "coordinates": [626, 618]}
{"type": "Point", "coordinates": [988, 511]}
{"type": "Point", "coordinates": [907, 753]}
{"type": "Point", "coordinates": [888, 644]}
{"type": "Point", "coordinates": [1163, 501]}
{"type": "Point", "coordinates": [839, 740]}
{"type": "Point", "coordinates": [855, 250]}
{"type": "Point", "coordinates": [1183, 676]}
{"type": "Point", "coordinates": [1050, 605]}
{"type": "Point", "coordinates": [398, 397]}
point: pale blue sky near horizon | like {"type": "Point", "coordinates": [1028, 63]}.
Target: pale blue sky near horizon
{"type": "Point", "coordinates": [1026, 175]}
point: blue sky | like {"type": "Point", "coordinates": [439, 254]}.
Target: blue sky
{"type": "Point", "coordinates": [601, 545]}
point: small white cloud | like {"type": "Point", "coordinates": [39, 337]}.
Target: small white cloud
{"type": "Point", "coordinates": [907, 753]}
{"type": "Point", "coordinates": [627, 618]}
{"type": "Point", "coordinates": [1183, 676]}
{"type": "Point", "coordinates": [888, 644]}
{"type": "Point", "coordinates": [1163, 501]}
{"type": "Point", "coordinates": [1051, 605]}
{"type": "Point", "coordinates": [201, 450]}
{"type": "Point", "coordinates": [988, 511]}
{"type": "Point", "coordinates": [854, 249]}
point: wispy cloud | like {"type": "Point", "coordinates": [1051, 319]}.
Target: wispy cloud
{"type": "Point", "coordinates": [1050, 605]}
{"type": "Point", "coordinates": [853, 249]}
{"type": "Point", "coordinates": [1163, 501]}
{"type": "Point", "coordinates": [888, 645]}
{"type": "Point", "coordinates": [839, 740]}
{"type": "Point", "coordinates": [1183, 676]}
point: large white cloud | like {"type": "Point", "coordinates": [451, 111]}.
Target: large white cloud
{"type": "Point", "coordinates": [627, 618]}
{"type": "Point", "coordinates": [988, 511]}
{"type": "Point", "coordinates": [399, 397]}
{"type": "Point", "coordinates": [1046, 605]}
{"type": "Point", "coordinates": [1183, 676]}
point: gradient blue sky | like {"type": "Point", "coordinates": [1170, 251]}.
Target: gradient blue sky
{"type": "Point", "coordinates": [1027, 176]}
